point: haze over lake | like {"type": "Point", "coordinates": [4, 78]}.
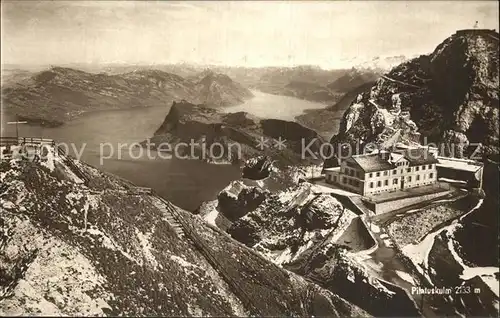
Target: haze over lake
{"type": "Point", "coordinates": [274, 106]}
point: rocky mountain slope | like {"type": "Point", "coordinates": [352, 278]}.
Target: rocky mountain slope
{"type": "Point", "coordinates": [75, 241]}
{"type": "Point", "coordinates": [326, 121]}
{"type": "Point", "coordinates": [449, 96]}
{"type": "Point", "coordinates": [232, 137]}
{"type": "Point", "coordinates": [308, 233]}
{"type": "Point", "coordinates": [57, 95]}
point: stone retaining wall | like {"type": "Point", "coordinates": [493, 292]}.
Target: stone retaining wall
{"type": "Point", "coordinates": [389, 206]}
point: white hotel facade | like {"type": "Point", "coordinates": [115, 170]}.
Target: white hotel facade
{"type": "Point", "coordinates": [385, 171]}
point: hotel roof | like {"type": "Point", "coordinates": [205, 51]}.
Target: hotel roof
{"type": "Point", "coordinates": [419, 156]}
{"type": "Point", "coordinates": [372, 162]}
{"type": "Point", "coordinates": [380, 161]}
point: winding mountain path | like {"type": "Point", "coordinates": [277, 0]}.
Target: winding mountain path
{"type": "Point", "coordinates": [387, 265]}
{"type": "Point", "coordinates": [399, 82]}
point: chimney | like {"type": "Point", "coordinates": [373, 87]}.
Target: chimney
{"type": "Point", "coordinates": [384, 155]}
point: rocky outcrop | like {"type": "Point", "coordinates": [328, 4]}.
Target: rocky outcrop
{"type": "Point", "coordinates": [70, 248]}
{"type": "Point", "coordinates": [198, 132]}
{"type": "Point", "coordinates": [304, 232]}
{"type": "Point", "coordinates": [449, 96]}
{"type": "Point", "coordinates": [288, 222]}
{"type": "Point", "coordinates": [257, 168]}
{"type": "Point", "coordinates": [327, 121]}
{"type": "Point", "coordinates": [60, 94]}
{"type": "Point", "coordinates": [333, 267]}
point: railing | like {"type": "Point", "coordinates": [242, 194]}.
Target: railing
{"type": "Point", "coordinates": [25, 140]}
{"type": "Point", "coordinates": [140, 190]}
{"type": "Point", "coordinates": [188, 230]}
{"type": "Point", "coordinates": [205, 251]}
{"type": "Point", "coordinates": [69, 162]}
{"type": "Point", "coordinates": [126, 183]}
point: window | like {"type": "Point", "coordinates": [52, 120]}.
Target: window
{"type": "Point", "coordinates": [430, 166]}
{"type": "Point", "coordinates": [350, 181]}
{"type": "Point", "coordinates": [423, 167]}
{"type": "Point", "coordinates": [385, 173]}
{"type": "Point", "coordinates": [417, 168]}
{"type": "Point", "coordinates": [335, 178]}
{"type": "Point", "coordinates": [358, 174]}
{"type": "Point", "coordinates": [418, 177]}
{"type": "Point", "coordinates": [378, 174]}
{"type": "Point", "coordinates": [409, 178]}
{"type": "Point", "coordinates": [395, 181]}
{"type": "Point", "coordinates": [431, 175]}
{"type": "Point", "coordinates": [371, 184]}
{"type": "Point", "coordinates": [401, 171]}
{"type": "Point", "coordinates": [343, 180]}
{"type": "Point", "coordinates": [379, 183]}
{"type": "Point", "coordinates": [408, 169]}
{"type": "Point", "coordinates": [386, 182]}
{"type": "Point", "coordinates": [394, 171]}
{"type": "Point", "coordinates": [371, 175]}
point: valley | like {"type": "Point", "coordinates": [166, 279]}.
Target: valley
{"type": "Point", "coordinates": [283, 159]}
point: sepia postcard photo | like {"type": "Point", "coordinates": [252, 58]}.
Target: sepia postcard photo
{"type": "Point", "coordinates": [249, 158]}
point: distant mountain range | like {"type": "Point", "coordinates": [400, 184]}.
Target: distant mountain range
{"type": "Point", "coordinates": [305, 82]}
{"type": "Point", "coordinates": [54, 96]}
{"type": "Point", "coordinates": [59, 94]}
{"type": "Point", "coordinates": [378, 63]}
{"type": "Point", "coordinates": [217, 89]}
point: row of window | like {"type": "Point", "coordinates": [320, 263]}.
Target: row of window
{"type": "Point", "coordinates": [352, 182]}
{"type": "Point", "coordinates": [396, 180]}
{"type": "Point", "coordinates": [381, 190]}
{"type": "Point", "coordinates": [386, 173]}
{"type": "Point", "coordinates": [352, 172]}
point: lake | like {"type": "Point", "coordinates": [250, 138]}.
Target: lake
{"type": "Point", "coordinates": [186, 183]}
{"type": "Point", "coordinates": [274, 106]}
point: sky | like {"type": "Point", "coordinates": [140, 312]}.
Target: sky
{"type": "Point", "coordinates": [260, 33]}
